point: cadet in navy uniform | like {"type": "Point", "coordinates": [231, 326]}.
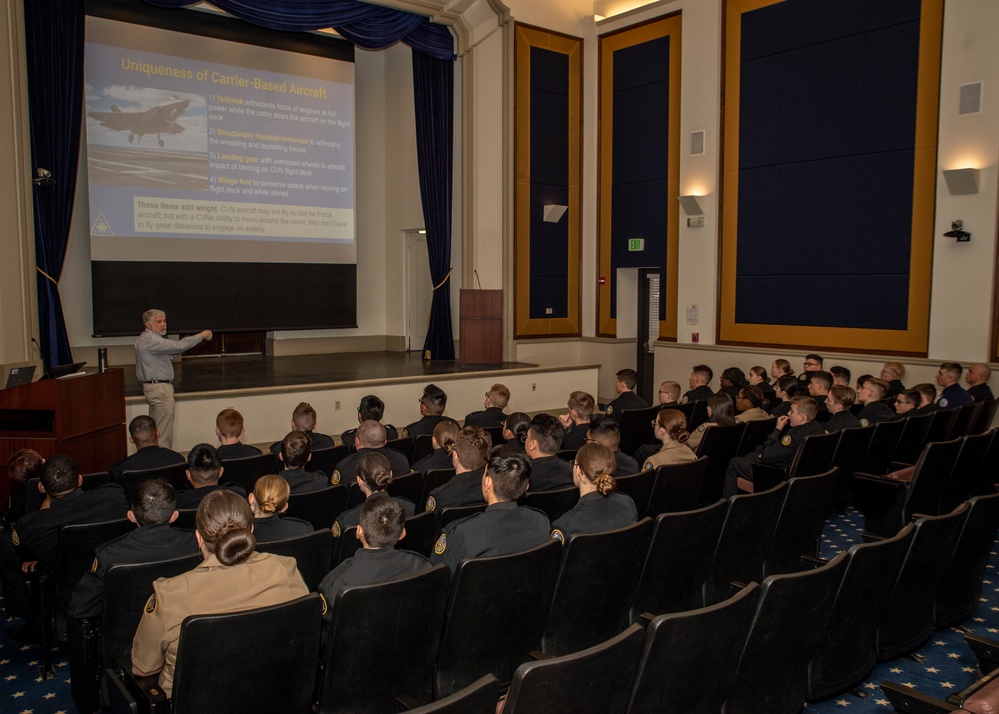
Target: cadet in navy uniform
{"type": "Point", "coordinates": [154, 508]}
{"type": "Point", "coordinates": [870, 395]}
{"type": "Point", "coordinates": [370, 436]}
{"type": "Point", "coordinates": [780, 447]}
{"type": "Point", "coordinates": [515, 430]}
{"type": "Point", "coordinates": [229, 428]}
{"type": "Point", "coordinates": [304, 419]}
{"type": "Point", "coordinates": [492, 414]}
{"type": "Point", "coordinates": [606, 431]}
{"type": "Point", "coordinates": [504, 527]}
{"type": "Point", "coordinates": [268, 500]}
{"type": "Point", "coordinates": [927, 398]}
{"type": "Point", "coordinates": [813, 363]}
{"type": "Point", "coordinates": [819, 384]}
{"type": "Point", "coordinates": [953, 394]}
{"type": "Point", "coordinates": [371, 407]}
{"type": "Point", "coordinates": [907, 403]}
{"type": "Point", "coordinates": [296, 450]}
{"type": "Point", "coordinates": [700, 377]}
{"type": "Point", "coordinates": [892, 373]}
{"type": "Point", "coordinates": [443, 440]}
{"type": "Point", "coordinates": [149, 454]}
{"type": "Point", "coordinates": [625, 382]}
{"type": "Point", "coordinates": [374, 476]}
{"type": "Point", "coordinates": [544, 439]}
{"type": "Point", "coordinates": [204, 469]}
{"type": "Point", "coordinates": [382, 524]}
{"type": "Point", "coordinates": [577, 421]}
{"type": "Point", "coordinates": [432, 405]}
{"type": "Point", "coordinates": [839, 401]}
{"type": "Point", "coordinates": [599, 508]}
{"type": "Point", "coordinates": [471, 447]}
{"type": "Point", "coordinates": [785, 389]}
{"type": "Point", "coordinates": [977, 378]}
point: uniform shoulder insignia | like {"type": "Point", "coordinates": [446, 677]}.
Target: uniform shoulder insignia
{"type": "Point", "coordinates": [786, 441]}
{"type": "Point", "coordinates": [647, 466]}
{"type": "Point", "coordinates": [335, 478]}
{"type": "Point", "coordinates": [610, 408]}
{"type": "Point", "coordinates": [865, 422]}
{"type": "Point", "coordinates": [335, 530]}
{"type": "Point", "coordinates": [557, 535]}
{"type": "Point", "coordinates": [683, 399]}
{"type": "Point", "coordinates": [324, 604]}
{"type": "Point", "coordinates": [431, 504]}
{"type": "Point", "coordinates": [441, 544]}
{"type": "Point", "coordinates": [93, 568]}
{"type": "Point", "coordinates": [151, 604]}
{"type": "Point", "coordinates": [13, 537]}
{"type": "Point", "coordinates": [405, 432]}
{"type": "Point", "coordinates": [943, 403]}
{"type": "Point", "coordinates": [701, 428]}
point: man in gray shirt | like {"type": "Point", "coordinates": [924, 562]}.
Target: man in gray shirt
{"type": "Point", "coordinates": [155, 370]}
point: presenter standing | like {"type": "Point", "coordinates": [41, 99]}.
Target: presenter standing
{"type": "Point", "coordinates": [155, 370]}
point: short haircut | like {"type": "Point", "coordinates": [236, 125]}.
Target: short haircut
{"type": "Point", "coordinates": [296, 448]}
{"type": "Point", "coordinates": [753, 394]}
{"type": "Point", "coordinates": [60, 475]}
{"type": "Point", "coordinates": [841, 372]}
{"type": "Point", "coordinates": [472, 446]}
{"type": "Point", "coordinates": [863, 378]}
{"type": "Point", "coordinates": [878, 385]}
{"type": "Point", "coordinates": [672, 389]}
{"type": "Point", "coordinates": [927, 391]}
{"type": "Point", "coordinates": [844, 395]}
{"type": "Point", "coordinates": [154, 501]}
{"type": "Point", "coordinates": [382, 520]}
{"type": "Point", "coordinates": [548, 432]}
{"type": "Point", "coordinates": [807, 406]}
{"type": "Point", "coordinates": [371, 434]}
{"type": "Point", "coordinates": [150, 315]}
{"type": "Point", "coordinates": [499, 395]}
{"type": "Point", "coordinates": [896, 367]}
{"type": "Point", "coordinates": [815, 357]}
{"type": "Point", "coordinates": [434, 399]}
{"type": "Point", "coordinates": [706, 372]}
{"type": "Point", "coordinates": [582, 402]}
{"type": "Point", "coordinates": [913, 396]}
{"type": "Point", "coordinates": [825, 378]}
{"type": "Point", "coordinates": [229, 422]}
{"type": "Point", "coordinates": [734, 375]}
{"type": "Point", "coordinates": [605, 431]}
{"type": "Point", "coordinates": [627, 377]}
{"type": "Point", "coordinates": [25, 465]}
{"type": "Point", "coordinates": [374, 470]}
{"type": "Point", "coordinates": [204, 463]}
{"type": "Point", "coordinates": [953, 367]}
{"type": "Point", "coordinates": [142, 429]}
{"type": "Point", "coordinates": [510, 471]}
{"type": "Point", "coordinates": [304, 417]}
{"type": "Point", "coordinates": [371, 407]}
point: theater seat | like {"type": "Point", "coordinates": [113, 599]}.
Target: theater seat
{"type": "Point", "coordinates": [961, 587]}
{"type": "Point", "coordinates": [311, 552]}
{"type": "Point", "coordinates": [678, 487]}
{"type": "Point", "coordinates": [247, 470]}
{"type": "Point", "coordinates": [320, 508]}
{"type": "Point", "coordinates": [479, 697]}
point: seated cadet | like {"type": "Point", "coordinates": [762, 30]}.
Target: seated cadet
{"type": "Point", "coordinates": [370, 436]}
{"type": "Point", "coordinates": [731, 381]}
{"type": "Point", "coordinates": [204, 469]}
{"type": "Point", "coordinates": [296, 451]}
{"type": "Point", "coordinates": [22, 466]}
{"type": "Point", "coordinates": [599, 507]}
{"type": "Point", "coordinates": [304, 419]}
{"type": "Point", "coordinates": [471, 447]}
{"type": "Point", "coordinates": [670, 427]}
{"type": "Point", "coordinates": [577, 422]}
{"type": "Point", "coordinates": [432, 405]}
{"type": "Point", "coordinates": [544, 439]}
{"type": "Point", "coordinates": [625, 382]}
{"type": "Point", "coordinates": [780, 447]}
{"type": "Point", "coordinates": [606, 431]}
{"type": "Point", "coordinates": [875, 411]}
{"type": "Point", "coordinates": [443, 440]}
{"type": "Point", "coordinates": [907, 403]}
{"type": "Point", "coordinates": [149, 454]}
{"type": "Point", "coordinates": [892, 372]}
{"type": "Point", "coordinates": [819, 384]}
{"type": "Point", "coordinates": [720, 413]}
{"type": "Point", "coordinates": [839, 401]}
{"type": "Point", "coordinates": [841, 375]}
{"type": "Point", "coordinates": [504, 527]}
{"type": "Point", "coordinates": [229, 428]}
{"type": "Point", "coordinates": [374, 476]}
{"type": "Point", "coordinates": [927, 398]}
{"type": "Point", "coordinates": [154, 508]}
{"type": "Point", "coordinates": [749, 404]}
{"type": "Point", "coordinates": [492, 414]}
{"type": "Point", "coordinates": [669, 392]}
{"type": "Point", "coordinates": [785, 389]}
{"type": "Point", "coordinates": [515, 430]}
{"type": "Point", "coordinates": [977, 378]}
{"type": "Point", "coordinates": [32, 540]}
{"type": "Point", "coordinates": [371, 407]}
{"type": "Point", "coordinates": [759, 378]}
{"type": "Point", "coordinates": [268, 500]}
{"type": "Point", "coordinates": [813, 363]}
{"type": "Point", "coordinates": [781, 368]}
{"type": "Point", "coordinates": [381, 524]}
{"type": "Point", "coordinates": [700, 378]}
{"type": "Point", "coordinates": [953, 394]}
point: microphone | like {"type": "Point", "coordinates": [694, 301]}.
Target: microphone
{"type": "Point", "coordinates": [477, 278]}
{"type": "Point", "coordinates": [45, 365]}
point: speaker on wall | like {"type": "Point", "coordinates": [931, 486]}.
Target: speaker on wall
{"type": "Point", "coordinates": [970, 98]}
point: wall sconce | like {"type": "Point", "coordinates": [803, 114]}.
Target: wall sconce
{"type": "Point", "coordinates": [961, 181]}
{"type": "Point", "coordinates": [957, 231]}
{"type": "Point", "coordinates": [554, 212]}
{"type": "Point", "coordinates": [695, 214]}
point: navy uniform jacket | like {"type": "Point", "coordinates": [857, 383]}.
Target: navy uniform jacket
{"type": "Point", "coordinates": [35, 534]}
{"type": "Point", "coordinates": [895, 387]}
{"type": "Point", "coordinates": [842, 420]}
{"type": "Point", "coordinates": [463, 490]}
{"type": "Point", "coordinates": [953, 397]}
{"type": "Point", "coordinates": [820, 401]}
{"type": "Point", "coordinates": [302, 481]}
{"type": "Point", "coordinates": [319, 441]}
{"type": "Point", "coordinates": [594, 513]}
{"type": "Point", "coordinates": [501, 529]}
{"type": "Point", "coordinates": [267, 529]}
{"type": "Point", "coordinates": [928, 409]}
{"type": "Point", "coordinates": [440, 459]}
{"type": "Point", "coordinates": [627, 400]}
{"type": "Point", "coordinates": [697, 394]}
{"type": "Point", "coordinates": [151, 457]}
{"type": "Point", "coordinates": [981, 392]}
{"type": "Point", "coordinates": [780, 409]}
{"type": "Point", "coordinates": [352, 517]}
{"type": "Point", "coordinates": [549, 472]}
{"type": "Point", "coordinates": [192, 497]}
{"type": "Point", "coordinates": [781, 447]}
{"type": "Point", "coordinates": [493, 416]}
{"type": "Point", "coordinates": [347, 437]}
{"type": "Point", "coordinates": [346, 471]}
{"type": "Point", "coordinates": [626, 465]}
{"type": "Point", "coordinates": [147, 544]}
{"type": "Point", "coordinates": [426, 425]}
{"type": "Point", "coordinates": [239, 450]}
{"type": "Point", "coordinates": [575, 436]}
{"type": "Point", "coordinates": [875, 413]}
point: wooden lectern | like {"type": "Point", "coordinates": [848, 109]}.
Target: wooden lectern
{"type": "Point", "coordinates": [82, 417]}
{"type": "Point", "coordinates": [480, 323]}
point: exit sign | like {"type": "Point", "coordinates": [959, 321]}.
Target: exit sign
{"type": "Point", "coordinates": [636, 244]}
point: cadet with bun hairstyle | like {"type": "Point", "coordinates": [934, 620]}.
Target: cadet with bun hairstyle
{"type": "Point", "coordinates": [268, 500]}
{"type": "Point", "coordinates": [443, 440]}
{"type": "Point", "coordinates": [600, 508]}
{"type": "Point", "coordinates": [670, 427]}
{"type": "Point", "coordinates": [374, 475]}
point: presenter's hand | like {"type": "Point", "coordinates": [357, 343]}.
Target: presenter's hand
{"type": "Point", "coordinates": [206, 335]}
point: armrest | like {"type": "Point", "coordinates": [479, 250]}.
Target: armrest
{"type": "Point", "coordinates": [130, 693]}
{"type": "Point", "coordinates": [912, 701]}
{"type": "Point", "coordinates": [538, 655]}
{"type": "Point", "coordinates": [984, 690]}
{"type": "Point", "coordinates": [813, 562]}
{"type": "Point", "coordinates": [986, 651]}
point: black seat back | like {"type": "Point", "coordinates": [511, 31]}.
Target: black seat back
{"type": "Point", "coordinates": [815, 455]}
{"type": "Point", "coordinates": [175, 475]}
{"type": "Point", "coordinates": [881, 451]}
{"type": "Point", "coordinates": [636, 428]}
{"type": "Point", "coordinates": [311, 552]}
{"type": "Point", "coordinates": [423, 446]}
{"type": "Point", "coordinates": [755, 434]}
{"type": "Point", "coordinates": [420, 533]}
{"type": "Point", "coordinates": [931, 487]}
{"type": "Point", "coordinates": [479, 697]}
{"type": "Point", "coordinates": [985, 417]}
{"type": "Point", "coordinates": [913, 439]}
{"type": "Point", "coordinates": [678, 487]}
{"type": "Point", "coordinates": [960, 590]}
{"type": "Point", "coordinates": [850, 453]}
{"type": "Point", "coordinates": [431, 480]}
{"type": "Point", "coordinates": [799, 526]}
{"type": "Point", "coordinates": [246, 471]}
{"type": "Point", "coordinates": [325, 460]}
{"type": "Point", "coordinates": [719, 445]}
{"type": "Point", "coordinates": [455, 513]}
{"type": "Point", "coordinates": [597, 579]}
{"type": "Point", "coordinates": [346, 545]}
{"type": "Point", "coordinates": [970, 459]}
{"type": "Point", "coordinates": [639, 486]}
{"type": "Point", "coordinates": [75, 552]}
{"type": "Point", "coordinates": [554, 503]}
{"type": "Point", "coordinates": [984, 482]}
{"type": "Point", "coordinates": [404, 445]}
{"type": "Point", "coordinates": [408, 486]}
{"type": "Point", "coordinates": [941, 425]}
{"type": "Point", "coordinates": [320, 508]}
{"type": "Point", "coordinates": [967, 418]}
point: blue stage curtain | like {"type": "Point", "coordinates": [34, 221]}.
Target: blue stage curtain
{"type": "Point", "coordinates": [433, 87]}
{"type": "Point", "coordinates": [54, 35]}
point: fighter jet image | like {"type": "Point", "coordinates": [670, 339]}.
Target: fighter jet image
{"type": "Point", "coordinates": [158, 120]}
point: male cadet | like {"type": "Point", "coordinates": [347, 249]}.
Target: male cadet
{"type": "Point", "coordinates": [296, 451]}
{"type": "Point", "coordinates": [432, 405]}
{"type": "Point", "coordinates": [907, 403]}
{"type": "Point", "coordinates": [149, 454]}
{"type": "Point", "coordinates": [154, 369]}
{"type": "Point", "coordinates": [813, 363]}
{"type": "Point", "coordinates": [492, 414]}
{"type": "Point", "coordinates": [154, 508]}
{"type": "Point", "coordinates": [471, 447]}
{"type": "Point", "coordinates": [953, 394]}
{"type": "Point", "coordinates": [819, 384]}
{"type": "Point", "coordinates": [370, 436]}
{"type": "Point", "coordinates": [32, 540]}
{"type": "Point", "coordinates": [927, 398]}
{"type": "Point", "coordinates": [780, 447]}
{"type": "Point", "coordinates": [204, 469]}
{"type": "Point", "coordinates": [606, 431]}
{"type": "Point", "coordinates": [544, 439]}
{"type": "Point", "coordinates": [504, 527]}
{"type": "Point", "coordinates": [700, 377]}
{"type": "Point", "coordinates": [977, 378]}
{"type": "Point", "coordinates": [625, 382]}
{"type": "Point", "coordinates": [669, 392]}
{"type": "Point", "coordinates": [229, 428]}
{"type": "Point", "coordinates": [841, 375]}
{"type": "Point", "coordinates": [870, 395]}
{"type": "Point", "coordinates": [304, 419]}
{"type": "Point", "coordinates": [577, 421]}
{"type": "Point", "coordinates": [840, 401]}
{"type": "Point", "coordinates": [371, 407]}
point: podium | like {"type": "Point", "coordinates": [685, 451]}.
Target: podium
{"type": "Point", "coordinates": [480, 323]}
{"type": "Point", "coordinates": [82, 417]}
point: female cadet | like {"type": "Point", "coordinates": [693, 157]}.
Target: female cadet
{"type": "Point", "coordinates": [599, 507]}
{"type": "Point", "coordinates": [670, 427]}
{"type": "Point", "coordinates": [269, 498]}
{"type": "Point", "coordinates": [720, 413]}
